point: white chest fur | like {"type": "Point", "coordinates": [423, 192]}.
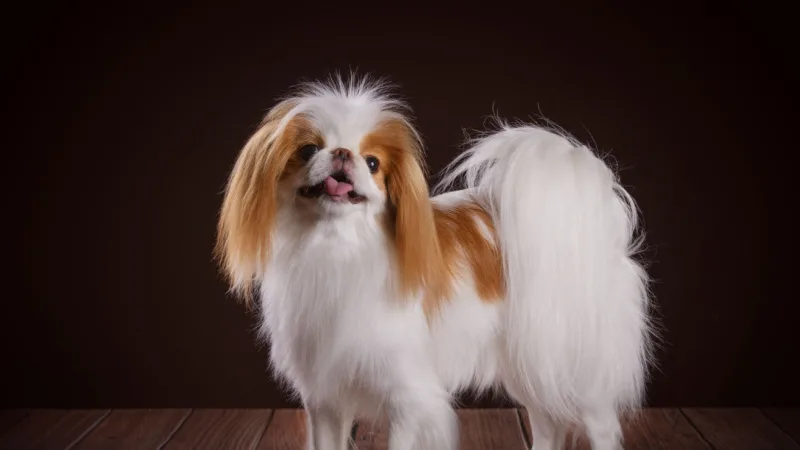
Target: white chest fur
{"type": "Point", "coordinates": [335, 330]}
{"type": "Point", "coordinates": [338, 334]}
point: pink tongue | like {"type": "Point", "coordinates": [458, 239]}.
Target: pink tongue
{"type": "Point", "coordinates": [335, 188]}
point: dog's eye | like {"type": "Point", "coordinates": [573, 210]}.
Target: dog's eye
{"type": "Point", "coordinates": [373, 163]}
{"type": "Point", "coordinates": [307, 151]}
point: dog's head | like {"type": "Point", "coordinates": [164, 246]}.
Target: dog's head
{"type": "Point", "coordinates": [331, 152]}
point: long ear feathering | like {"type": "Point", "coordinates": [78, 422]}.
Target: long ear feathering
{"type": "Point", "coordinates": [250, 202]}
{"type": "Point", "coordinates": [419, 254]}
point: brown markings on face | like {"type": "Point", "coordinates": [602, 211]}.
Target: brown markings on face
{"type": "Point", "coordinates": [300, 132]}
{"type": "Point", "coordinates": [462, 235]}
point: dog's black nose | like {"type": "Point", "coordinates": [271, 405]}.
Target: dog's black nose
{"type": "Point", "coordinates": [342, 154]}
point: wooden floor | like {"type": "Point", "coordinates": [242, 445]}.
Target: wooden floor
{"type": "Point", "coordinates": [284, 429]}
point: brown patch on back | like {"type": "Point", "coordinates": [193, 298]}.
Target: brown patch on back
{"type": "Point", "coordinates": [461, 232]}
{"type": "Point", "coordinates": [244, 230]}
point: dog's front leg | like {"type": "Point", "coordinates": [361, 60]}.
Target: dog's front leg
{"type": "Point", "coordinates": [422, 419]}
{"type": "Point", "coordinates": [328, 429]}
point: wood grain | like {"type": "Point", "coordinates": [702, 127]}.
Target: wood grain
{"type": "Point", "coordinates": [51, 428]}
{"type": "Point", "coordinates": [286, 431]}
{"type": "Point", "coordinates": [10, 417]}
{"type": "Point", "coordinates": [134, 429]}
{"type": "Point", "coordinates": [221, 429]}
{"type": "Point", "coordinates": [490, 428]}
{"type": "Point", "coordinates": [787, 419]}
{"type": "Point", "coordinates": [479, 429]}
{"type": "Point", "coordinates": [659, 428]}
{"type": "Point", "coordinates": [497, 429]}
{"type": "Point", "coordinates": [651, 428]}
{"type": "Point", "coordinates": [740, 428]}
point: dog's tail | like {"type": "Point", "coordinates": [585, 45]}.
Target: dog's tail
{"type": "Point", "coordinates": [577, 325]}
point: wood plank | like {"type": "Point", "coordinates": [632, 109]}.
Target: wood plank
{"type": "Point", "coordinates": [740, 428]}
{"type": "Point", "coordinates": [651, 428]}
{"type": "Point", "coordinates": [479, 428]}
{"type": "Point", "coordinates": [134, 429]}
{"type": "Point", "coordinates": [220, 429]}
{"type": "Point", "coordinates": [787, 419]}
{"type": "Point", "coordinates": [286, 431]}
{"type": "Point", "coordinates": [51, 428]}
{"type": "Point", "coordinates": [654, 428]}
{"type": "Point", "coordinates": [661, 428]}
{"type": "Point", "coordinates": [10, 417]}
{"type": "Point", "coordinates": [490, 428]}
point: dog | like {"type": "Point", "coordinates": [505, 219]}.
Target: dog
{"type": "Point", "coordinates": [382, 298]}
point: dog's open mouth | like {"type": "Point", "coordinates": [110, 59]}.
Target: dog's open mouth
{"type": "Point", "coordinates": [337, 187]}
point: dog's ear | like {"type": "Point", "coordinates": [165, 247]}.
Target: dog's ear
{"type": "Point", "coordinates": [246, 220]}
{"type": "Point", "coordinates": [419, 255]}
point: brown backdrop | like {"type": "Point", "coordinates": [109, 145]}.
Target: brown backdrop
{"type": "Point", "coordinates": [122, 127]}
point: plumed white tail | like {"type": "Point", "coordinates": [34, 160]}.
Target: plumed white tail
{"type": "Point", "coordinates": [578, 333]}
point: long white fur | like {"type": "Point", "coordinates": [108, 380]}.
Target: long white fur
{"type": "Point", "coordinates": [570, 341]}
{"type": "Point", "coordinates": [578, 335]}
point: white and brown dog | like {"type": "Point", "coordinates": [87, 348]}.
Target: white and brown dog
{"type": "Point", "coordinates": [378, 299]}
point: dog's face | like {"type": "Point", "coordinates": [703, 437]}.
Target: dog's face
{"type": "Point", "coordinates": [344, 161]}
{"type": "Point", "coordinates": [334, 154]}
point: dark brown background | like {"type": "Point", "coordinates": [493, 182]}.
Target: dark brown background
{"type": "Point", "coordinates": [123, 126]}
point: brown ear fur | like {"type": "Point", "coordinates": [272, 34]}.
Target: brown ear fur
{"type": "Point", "coordinates": [421, 265]}
{"type": "Point", "coordinates": [250, 203]}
